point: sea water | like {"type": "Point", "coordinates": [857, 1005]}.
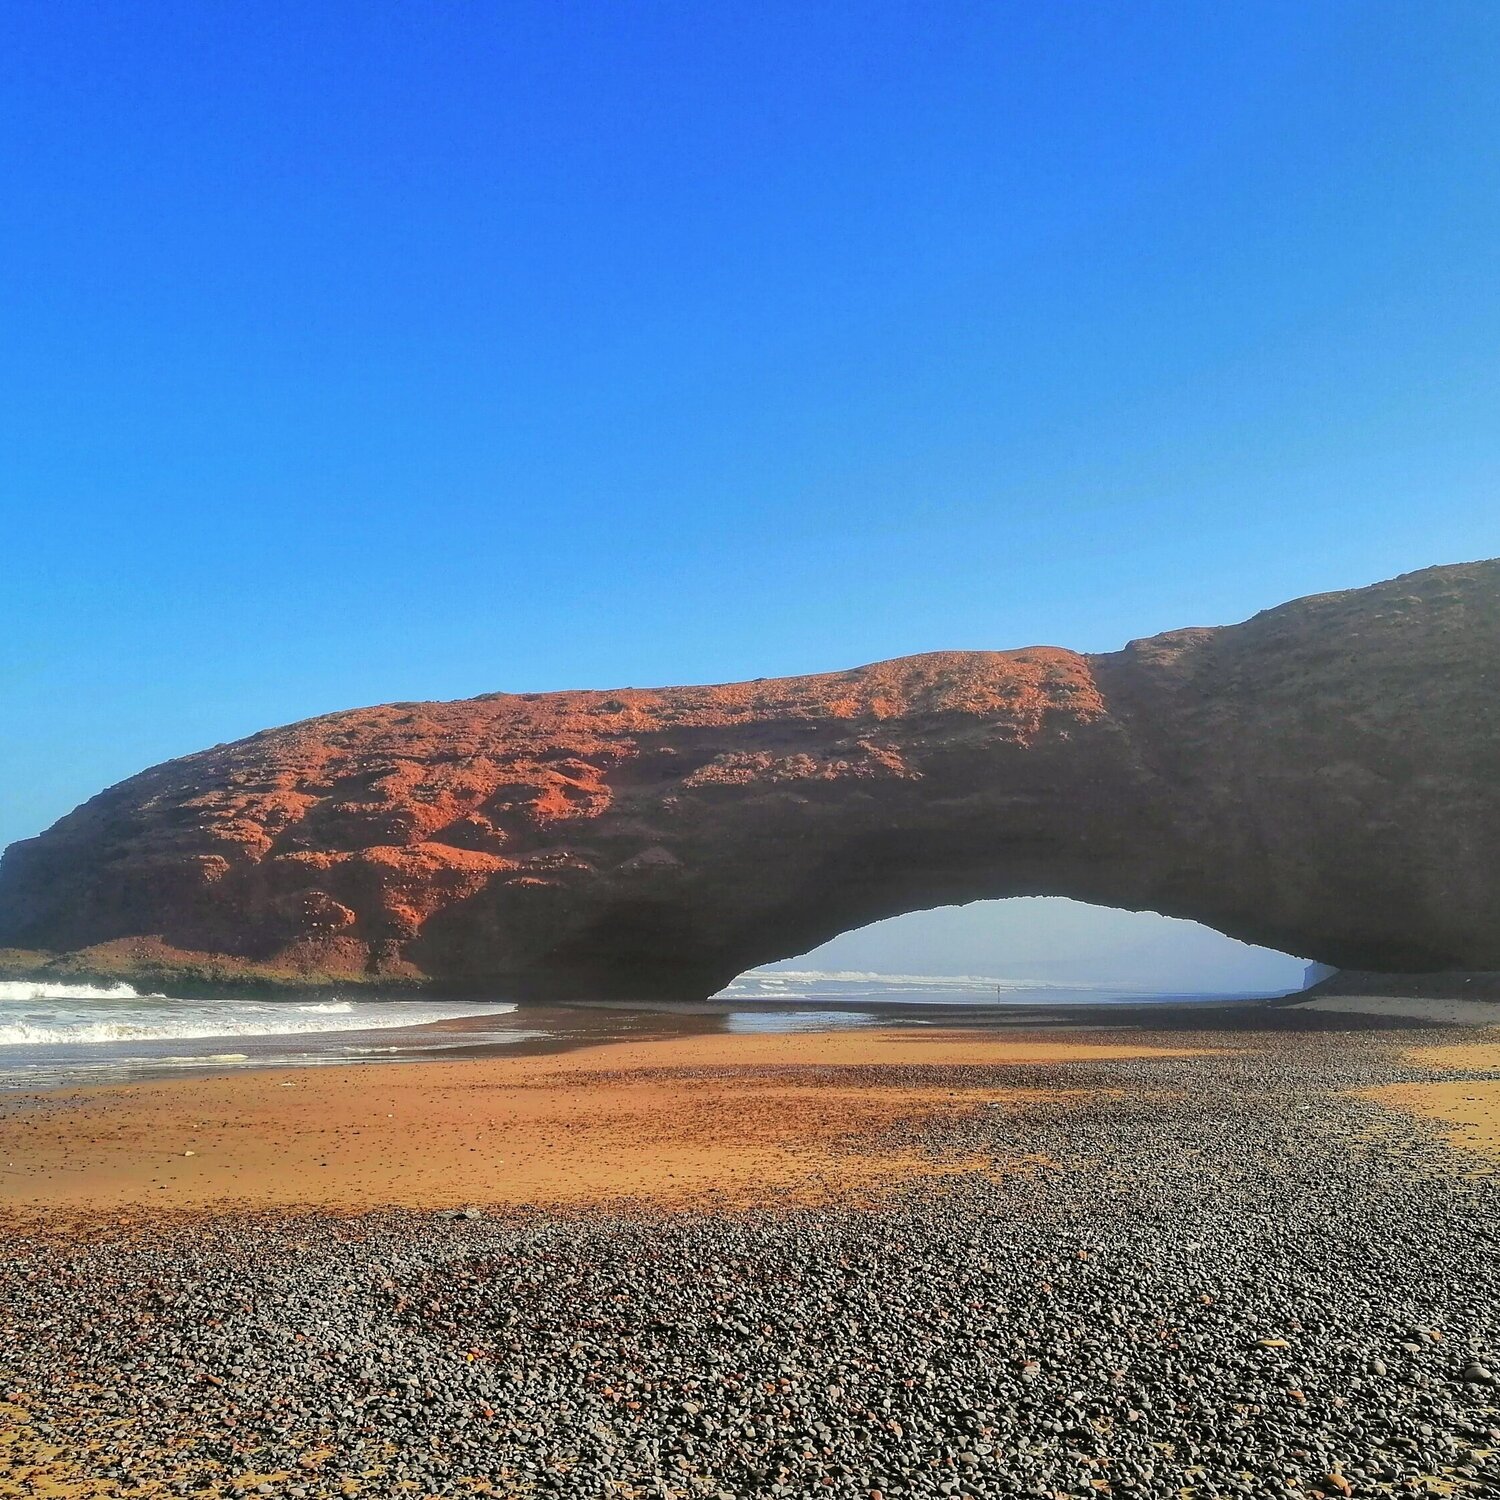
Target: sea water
{"type": "Point", "coordinates": [854, 985]}
{"type": "Point", "coordinates": [55, 1035]}
{"type": "Point", "coordinates": [819, 999]}
{"type": "Point", "coordinates": [58, 1033]}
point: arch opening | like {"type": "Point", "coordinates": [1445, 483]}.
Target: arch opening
{"type": "Point", "coordinates": [1030, 947]}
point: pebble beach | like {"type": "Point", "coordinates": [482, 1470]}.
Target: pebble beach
{"type": "Point", "coordinates": [1175, 1264]}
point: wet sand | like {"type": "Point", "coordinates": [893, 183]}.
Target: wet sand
{"type": "Point", "coordinates": [725, 1117]}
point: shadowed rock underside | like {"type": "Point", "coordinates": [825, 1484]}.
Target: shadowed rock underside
{"type": "Point", "coordinates": [1322, 779]}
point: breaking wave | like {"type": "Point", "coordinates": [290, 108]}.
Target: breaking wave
{"type": "Point", "coordinates": [120, 1015]}
{"type": "Point", "coordinates": [27, 989]}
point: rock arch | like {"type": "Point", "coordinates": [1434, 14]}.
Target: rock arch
{"type": "Point", "coordinates": [1323, 779]}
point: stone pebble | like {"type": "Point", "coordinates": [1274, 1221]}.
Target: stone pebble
{"type": "Point", "coordinates": [1223, 1275]}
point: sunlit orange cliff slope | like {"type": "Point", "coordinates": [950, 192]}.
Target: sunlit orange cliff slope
{"type": "Point", "coordinates": [1324, 779]}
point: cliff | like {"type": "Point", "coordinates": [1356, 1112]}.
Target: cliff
{"type": "Point", "coordinates": [1323, 778]}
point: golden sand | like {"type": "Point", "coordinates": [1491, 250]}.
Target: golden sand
{"type": "Point", "coordinates": [33, 1467]}
{"type": "Point", "coordinates": [1470, 1105]}
{"type": "Point", "coordinates": [37, 1469]}
{"type": "Point", "coordinates": [30, 1466]}
{"type": "Point", "coordinates": [1477, 1056]}
{"type": "Point", "coordinates": [675, 1120]}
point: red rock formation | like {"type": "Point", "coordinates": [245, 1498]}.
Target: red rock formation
{"type": "Point", "coordinates": [1324, 778]}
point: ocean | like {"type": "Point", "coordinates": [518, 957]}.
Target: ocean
{"type": "Point", "coordinates": [66, 1035]}
{"type": "Point", "coordinates": [53, 1035]}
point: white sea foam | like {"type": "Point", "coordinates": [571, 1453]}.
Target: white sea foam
{"type": "Point", "coordinates": [152, 1019]}
{"type": "Point", "coordinates": [27, 989]}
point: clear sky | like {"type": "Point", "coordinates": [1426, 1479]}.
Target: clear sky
{"type": "Point", "coordinates": [355, 352]}
{"type": "Point", "coordinates": [1045, 938]}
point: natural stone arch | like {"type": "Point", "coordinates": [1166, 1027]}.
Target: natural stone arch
{"type": "Point", "coordinates": [1323, 779]}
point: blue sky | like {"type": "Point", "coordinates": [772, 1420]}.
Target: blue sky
{"type": "Point", "coordinates": [355, 352]}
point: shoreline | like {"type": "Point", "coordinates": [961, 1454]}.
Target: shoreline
{"type": "Point", "coordinates": [524, 1030]}
{"type": "Point", "coordinates": [672, 1117]}
{"type": "Point", "coordinates": [194, 975]}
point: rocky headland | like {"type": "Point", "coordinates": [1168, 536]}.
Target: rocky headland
{"type": "Point", "coordinates": [1323, 779]}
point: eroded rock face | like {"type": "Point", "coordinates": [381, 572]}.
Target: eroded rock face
{"type": "Point", "coordinates": [1323, 779]}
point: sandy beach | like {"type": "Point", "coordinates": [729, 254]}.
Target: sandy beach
{"type": "Point", "coordinates": [851, 1263]}
{"type": "Point", "coordinates": [667, 1120]}
{"type": "Point", "coordinates": [1468, 1104]}
{"type": "Point", "coordinates": [1422, 1010]}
